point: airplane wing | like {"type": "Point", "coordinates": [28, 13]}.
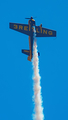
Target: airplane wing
{"type": "Point", "coordinates": [44, 32]}
{"type": "Point", "coordinates": [23, 28]}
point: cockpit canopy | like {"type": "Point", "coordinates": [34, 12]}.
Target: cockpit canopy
{"type": "Point", "coordinates": [31, 22]}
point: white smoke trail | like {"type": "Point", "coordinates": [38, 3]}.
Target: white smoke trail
{"type": "Point", "coordinates": [38, 109]}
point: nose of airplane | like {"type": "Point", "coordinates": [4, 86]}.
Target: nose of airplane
{"type": "Point", "coordinates": [31, 17]}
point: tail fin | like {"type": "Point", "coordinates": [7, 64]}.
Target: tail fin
{"type": "Point", "coordinates": [29, 58]}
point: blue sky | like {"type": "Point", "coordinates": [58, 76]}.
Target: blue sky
{"type": "Point", "coordinates": [16, 85]}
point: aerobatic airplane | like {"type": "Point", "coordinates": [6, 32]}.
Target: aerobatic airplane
{"type": "Point", "coordinates": [28, 29]}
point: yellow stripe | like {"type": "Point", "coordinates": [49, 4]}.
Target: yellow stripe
{"type": "Point", "coordinates": [32, 19]}
{"type": "Point", "coordinates": [30, 47]}
{"type": "Point", "coordinates": [29, 43]}
{"type": "Point", "coordinates": [26, 51]}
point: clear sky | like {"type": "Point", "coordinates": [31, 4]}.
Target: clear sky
{"type": "Point", "coordinates": [16, 85]}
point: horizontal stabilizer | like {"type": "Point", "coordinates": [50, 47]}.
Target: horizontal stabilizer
{"type": "Point", "coordinates": [38, 54]}
{"type": "Point", "coordinates": [27, 52]}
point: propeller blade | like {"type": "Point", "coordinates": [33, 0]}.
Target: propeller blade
{"type": "Point", "coordinates": [35, 17]}
{"type": "Point", "coordinates": [31, 17]}
{"type": "Point", "coordinates": [27, 18]}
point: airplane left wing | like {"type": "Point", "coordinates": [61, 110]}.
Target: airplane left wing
{"type": "Point", "coordinates": [23, 28]}
{"type": "Point", "coordinates": [44, 32]}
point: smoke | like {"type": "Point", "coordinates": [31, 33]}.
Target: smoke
{"type": "Point", "coordinates": [37, 98]}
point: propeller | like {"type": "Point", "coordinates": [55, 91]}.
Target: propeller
{"type": "Point", "coordinates": [30, 18]}
{"type": "Point", "coordinates": [35, 17]}
{"type": "Point", "coordinates": [27, 18]}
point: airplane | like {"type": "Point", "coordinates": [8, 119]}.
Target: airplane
{"type": "Point", "coordinates": [29, 29]}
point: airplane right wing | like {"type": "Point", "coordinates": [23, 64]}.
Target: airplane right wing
{"type": "Point", "coordinates": [44, 32]}
{"type": "Point", "coordinates": [23, 28]}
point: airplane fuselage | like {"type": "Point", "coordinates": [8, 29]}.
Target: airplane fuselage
{"type": "Point", "coordinates": [31, 24]}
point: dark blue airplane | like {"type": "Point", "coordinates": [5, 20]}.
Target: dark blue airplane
{"type": "Point", "coordinates": [28, 29]}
